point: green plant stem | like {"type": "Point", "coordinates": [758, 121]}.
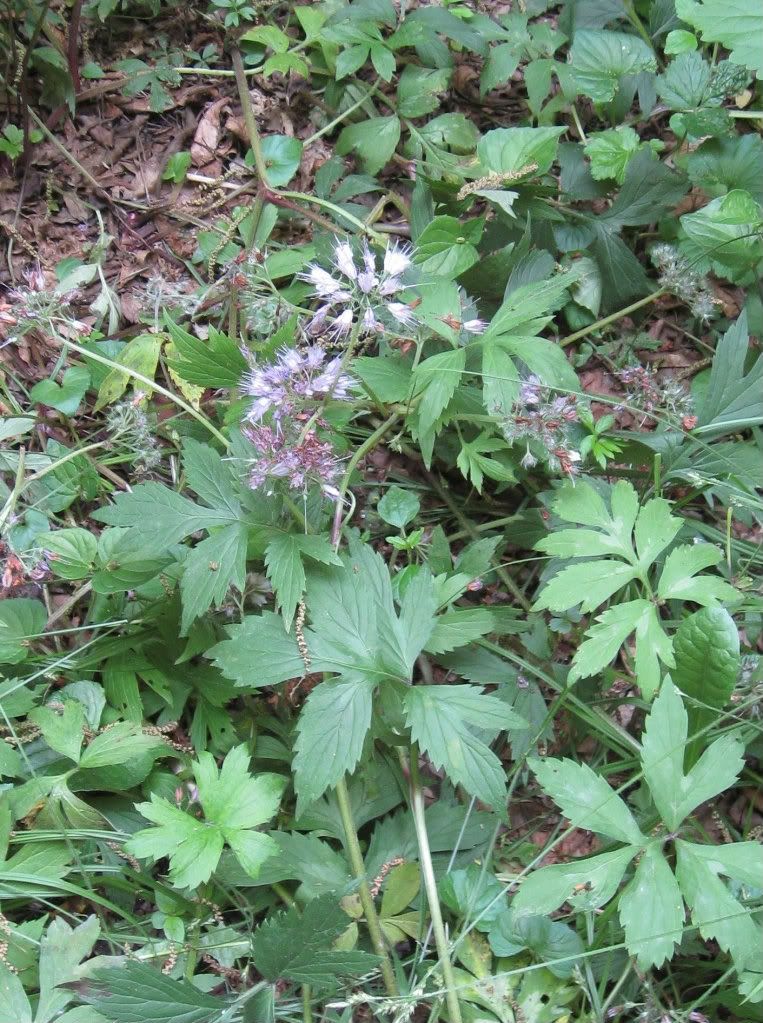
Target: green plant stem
{"type": "Point", "coordinates": [307, 1011]}
{"type": "Point", "coordinates": [612, 318]}
{"type": "Point", "coordinates": [368, 444]}
{"type": "Point", "coordinates": [430, 883]}
{"type": "Point", "coordinates": [355, 855]}
{"type": "Point", "coordinates": [249, 118]}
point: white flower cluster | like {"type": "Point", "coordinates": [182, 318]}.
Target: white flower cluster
{"type": "Point", "coordinates": [359, 293]}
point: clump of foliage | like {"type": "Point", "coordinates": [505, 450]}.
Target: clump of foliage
{"type": "Point", "coordinates": [383, 637]}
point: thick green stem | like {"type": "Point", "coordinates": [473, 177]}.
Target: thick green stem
{"type": "Point", "coordinates": [355, 855]}
{"type": "Point", "coordinates": [430, 886]}
{"type": "Point", "coordinates": [307, 1011]}
{"type": "Point", "coordinates": [249, 119]}
{"type": "Point", "coordinates": [612, 318]}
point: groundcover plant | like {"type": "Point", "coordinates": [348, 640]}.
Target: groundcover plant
{"type": "Point", "coordinates": [380, 525]}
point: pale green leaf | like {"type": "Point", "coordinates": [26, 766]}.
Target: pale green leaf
{"type": "Point", "coordinates": [21, 621]}
{"type": "Point", "coordinates": [655, 528]}
{"type": "Point", "coordinates": [586, 883]}
{"type": "Point", "coordinates": [735, 24]}
{"type": "Point", "coordinates": [210, 569]}
{"type": "Point", "coordinates": [678, 582]}
{"type": "Point", "coordinates": [259, 652]}
{"type": "Point", "coordinates": [588, 584]}
{"type": "Point", "coordinates": [599, 59]}
{"type": "Point", "coordinates": [332, 728]}
{"type": "Point", "coordinates": [652, 910]}
{"type": "Point", "coordinates": [518, 152]}
{"type": "Point", "coordinates": [714, 910]}
{"type": "Point", "coordinates": [587, 800]}
{"type": "Point", "coordinates": [374, 141]}
{"type": "Point", "coordinates": [62, 728]}
{"type": "Point", "coordinates": [439, 716]}
{"type": "Point", "coordinates": [605, 637]}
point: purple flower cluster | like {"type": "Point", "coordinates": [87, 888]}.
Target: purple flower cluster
{"type": "Point", "coordinates": [360, 293]}
{"type": "Point", "coordinates": [295, 382]}
{"type": "Point", "coordinates": [542, 421]}
{"type": "Point", "coordinates": [299, 463]}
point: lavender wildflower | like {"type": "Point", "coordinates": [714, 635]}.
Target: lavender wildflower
{"type": "Point", "coordinates": [361, 293]}
{"type": "Point", "coordinates": [294, 382]}
{"type": "Point", "coordinates": [543, 423]}
{"type": "Point", "coordinates": [474, 326]}
{"type": "Point", "coordinates": [299, 463]}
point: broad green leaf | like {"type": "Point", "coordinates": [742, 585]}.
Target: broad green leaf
{"type": "Point", "coordinates": [501, 64]}
{"type": "Point", "coordinates": [298, 946]}
{"type": "Point", "coordinates": [528, 308]}
{"type": "Point", "coordinates": [374, 141]}
{"type": "Point", "coordinates": [209, 571]}
{"type": "Point", "coordinates": [136, 993]}
{"type": "Point", "coordinates": [172, 517]}
{"type": "Point", "coordinates": [282, 155]}
{"type": "Point", "coordinates": [735, 24]}
{"type": "Point", "coordinates": [283, 559]}
{"type": "Point", "coordinates": [211, 477]}
{"type": "Point", "coordinates": [652, 910]}
{"type": "Point", "coordinates": [438, 377]}
{"type": "Point", "coordinates": [599, 59]}
{"type": "Point", "coordinates": [259, 652]}
{"type": "Point", "coordinates": [118, 744]}
{"type": "Point", "coordinates": [518, 152]}
{"type": "Point", "coordinates": [605, 637]}
{"type": "Point", "coordinates": [21, 621]}
{"type": "Point", "coordinates": [680, 41]}
{"type": "Point", "coordinates": [72, 551]}
{"type": "Point", "coordinates": [586, 883]}
{"type": "Point", "coordinates": [140, 354]}
{"type": "Point", "coordinates": [724, 236]}
{"type": "Point", "coordinates": [216, 362]}
{"type": "Point", "coordinates": [739, 860]}
{"type": "Point", "coordinates": [389, 378]}
{"type": "Point", "coordinates": [66, 396]}
{"type": "Point", "coordinates": [652, 647]}
{"type": "Point", "coordinates": [588, 584]}
{"type": "Point", "coordinates": [14, 1004]}
{"type": "Point", "coordinates": [500, 379]}
{"type": "Point", "coordinates": [398, 507]}
{"type": "Point", "coordinates": [662, 757]}
{"type": "Point", "coordinates": [354, 630]}
{"type": "Point", "coordinates": [547, 940]}
{"type": "Point", "coordinates": [719, 165]}
{"type": "Point", "coordinates": [610, 152]}
{"type": "Point", "coordinates": [400, 889]}
{"type": "Point", "coordinates": [62, 729]}
{"type": "Point", "coordinates": [439, 718]}
{"type": "Point", "coordinates": [706, 649]}
{"type": "Point", "coordinates": [678, 579]}
{"type": "Point", "coordinates": [418, 88]}
{"type": "Point", "coordinates": [233, 802]}
{"type": "Point", "coordinates": [458, 627]}
{"type": "Point", "coordinates": [332, 728]}
{"type": "Point", "coordinates": [446, 247]}
{"type": "Point", "coordinates": [686, 83]}
{"type": "Point", "coordinates": [587, 800]}
{"type": "Point", "coordinates": [655, 528]}
{"type": "Point", "coordinates": [61, 950]}
{"type": "Point", "coordinates": [714, 910]}
{"type": "Point", "coordinates": [732, 398]}
{"type": "Point", "coordinates": [475, 894]}
{"type": "Point", "coordinates": [649, 191]}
